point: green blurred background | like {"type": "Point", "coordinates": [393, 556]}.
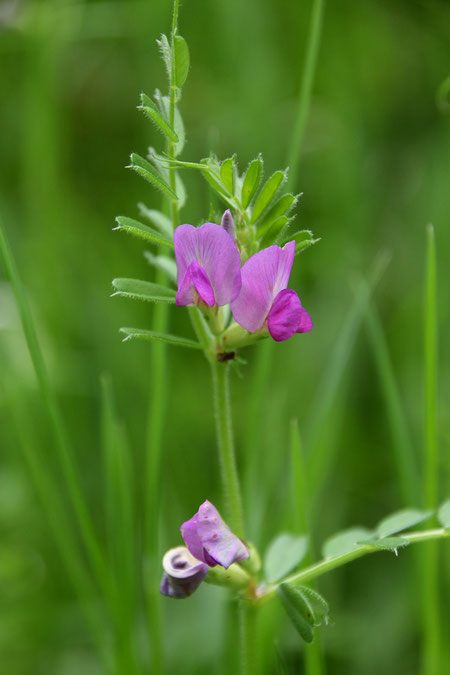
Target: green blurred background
{"type": "Point", "coordinates": [374, 172]}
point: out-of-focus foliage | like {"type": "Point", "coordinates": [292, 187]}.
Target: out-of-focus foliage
{"type": "Point", "coordinates": [374, 171]}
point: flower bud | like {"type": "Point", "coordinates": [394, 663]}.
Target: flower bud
{"type": "Point", "coordinates": [228, 224]}
{"type": "Point", "coordinates": [183, 573]}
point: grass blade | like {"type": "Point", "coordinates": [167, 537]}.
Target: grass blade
{"type": "Point", "coordinates": [312, 653]}
{"type": "Point", "coordinates": [321, 455]}
{"type": "Point", "coordinates": [120, 518]}
{"type": "Point", "coordinates": [304, 98]}
{"type": "Point", "coordinates": [65, 454]}
{"type": "Point", "coordinates": [404, 452]}
{"type": "Point", "coordinates": [61, 527]}
{"type": "Point", "coordinates": [431, 626]}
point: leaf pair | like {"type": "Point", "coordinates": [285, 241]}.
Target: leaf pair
{"type": "Point", "coordinates": [305, 607]}
{"type": "Point", "coordinates": [139, 289]}
{"type": "Point", "coordinates": [381, 538]}
{"type": "Point", "coordinates": [176, 59]}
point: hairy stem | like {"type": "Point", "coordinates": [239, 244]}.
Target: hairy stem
{"type": "Point", "coordinates": [233, 501]}
{"type": "Point", "coordinates": [230, 480]}
{"type": "Point", "coordinates": [324, 566]}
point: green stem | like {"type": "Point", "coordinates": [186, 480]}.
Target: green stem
{"type": "Point", "coordinates": [233, 501]}
{"type": "Point", "coordinates": [248, 616]}
{"type": "Point", "coordinates": [431, 626]}
{"type": "Point", "coordinates": [324, 566]}
{"type": "Point", "coordinates": [230, 480]}
{"type": "Point", "coordinates": [304, 97]}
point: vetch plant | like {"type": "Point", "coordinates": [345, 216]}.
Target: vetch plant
{"type": "Point", "coordinates": [233, 276]}
{"type": "Point", "coordinates": [231, 273]}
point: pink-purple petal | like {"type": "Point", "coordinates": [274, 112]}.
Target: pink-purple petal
{"type": "Point", "coordinates": [183, 573]}
{"type": "Point", "coordinates": [217, 538]}
{"type": "Point", "coordinates": [189, 532]}
{"type": "Point", "coordinates": [285, 316]}
{"type": "Point", "coordinates": [263, 276]}
{"type": "Point", "coordinates": [195, 285]}
{"type": "Point", "coordinates": [210, 539]}
{"type": "Point", "coordinates": [213, 249]}
{"type": "Point", "coordinates": [306, 323]}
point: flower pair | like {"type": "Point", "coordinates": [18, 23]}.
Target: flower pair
{"type": "Point", "coordinates": [209, 272]}
{"type": "Point", "coordinates": [209, 542]}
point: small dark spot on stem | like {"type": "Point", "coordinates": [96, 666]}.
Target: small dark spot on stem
{"type": "Point", "coordinates": [226, 356]}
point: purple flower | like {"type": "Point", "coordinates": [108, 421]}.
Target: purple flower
{"type": "Point", "coordinates": [265, 299]}
{"type": "Point", "coordinates": [182, 573]}
{"type": "Point", "coordinates": [209, 539]}
{"type": "Point", "coordinates": [208, 265]}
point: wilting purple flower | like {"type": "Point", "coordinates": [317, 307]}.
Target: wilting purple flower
{"type": "Point", "coordinates": [265, 299]}
{"type": "Point", "coordinates": [208, 265]}
{"type": "Point", "coordinates": [182, 573]}
{"type": "Point", "coordinates": [209, 539]}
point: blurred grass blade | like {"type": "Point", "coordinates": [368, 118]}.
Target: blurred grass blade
{"type": "Point", "coordinates": [143, 290]}
{"type": "Point", "coordinates": [430, 336]}
{"type": "Point", "coordinates": [47, 489]}
{"type": "Point", "coordinates": [300, 483]}
{"type": "Point", "coordinates": [321, 456]}
{"type": "Point", "coordinates": [142, 334]}
{"type": "Point", "coordinates": [143, 231]}
{"type": "Point", "coordinates": [120, 516]}
{"type": "Point", "coordinates": [403, 450]}
{"type": "Point", "coordinates": [313, 658]}
{"type": "Point", "coordinates": [65, 455]}
{"type": "Point", "coordinates": [151, 174]}
{"type": "Point", "coordinates": [431, 664]}
{"type": "Point", "coordinates": [304, 98]}
{"type": "Point", "coordinates": [151, 110]}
